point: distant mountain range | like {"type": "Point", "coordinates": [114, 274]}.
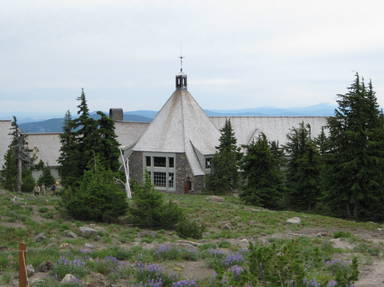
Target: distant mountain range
{"type": "Point", "coordinates": [55, 124]}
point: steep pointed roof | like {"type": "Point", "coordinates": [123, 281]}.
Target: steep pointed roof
{"type": "Point", "coordinates": [181, 126]}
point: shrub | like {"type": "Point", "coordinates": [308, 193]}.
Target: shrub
{"type": "Point", "coordinates": [149, 209]}
{"type": "Point", "coordinates": [46, 177]}
{"type": "Point", "coordinates": [98, 197]}
{"type": "Point", "coordinates": [76, 267]}
{"type": "Point", "coordinates": [28, 182]}
{"type": "Point", "coordinates": [342, 234]}
{"type": "Point", "coordinates": [192, 229]}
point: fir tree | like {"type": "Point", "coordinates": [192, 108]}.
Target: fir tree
{"type": "Point", "coordinates": [107, 147]}
{"type": "Point", "coordinates": [46, 177]}
{"type": "Point", "coordinates": [83, 139]}
{"type": "Point", "coordinates": [356, 157]}
{"type": "Point", "coordinates": [262, 174]}
{"type": "Point", "coordinates": [304, 166]}
{"type": "Point", "coordinates": [68, 168]}
{"type": "Point", "coordinates": [85, 131]}
{"type": "Point", "coordinates": [18, 159]}
{"type": "Point", "coordinates": [98, 197]}
{"type": "Point", "coordinates": [224, 175]}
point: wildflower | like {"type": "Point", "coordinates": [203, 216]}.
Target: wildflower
{"type": "Point", "coordinates": [335, 262]}
{"type": "Point", "coordinates": [332, 283]}
{"type": "Point", "coordinates": [185, 283]}
{"type": "Point", "coordinates": [112, 260]}
{"type": "Point", "coordinates": [311, 283]}
{"type": "Point", "coordinates": [163, 249]}
{"type": "Point", "coordinates": [233, 259]}
{"type": "Point", "coordinates": [236, 270]}
{"type": "Point", "coordinates": [216, 252]}
{"type": "Point", "coordinates": [154, 283]}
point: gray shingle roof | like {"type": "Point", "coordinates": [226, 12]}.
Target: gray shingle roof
{"type": "Point", "coordinates": [179, 127]}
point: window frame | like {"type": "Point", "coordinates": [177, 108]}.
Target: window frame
{"type": "Point", "coordinates": [168, 170]}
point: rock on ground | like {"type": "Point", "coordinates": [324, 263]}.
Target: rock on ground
{"type": "Point", "coordinates": [30, 270]}
{"type": "Point", "coordinates": [69, 278]}
{"type": "Point", "coordinates": [70, 234]}
{"type": "Point", "coordinates": [39, 237]}
{"type": "Point", "coordinates": [87, 231]}
{"type": "Point", "coordinates": [294, 220]}
{"type": "Point", "coordinates": [216, 198]}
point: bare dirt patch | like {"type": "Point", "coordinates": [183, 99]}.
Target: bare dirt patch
{"type": "Point", "coordinates": [372, 276]}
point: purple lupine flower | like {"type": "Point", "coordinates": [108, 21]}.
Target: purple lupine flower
{"type": "Point", "coordinates": [164, 248]}
{"type": "Point", "coordinates": [154, 283]}
{"type": "Point", "coordinates": [311, 283]}
{"type": "Point", "coordinates": [233, 259]}
{"type": "Point", "coordinates": [112, 260]}
{"type": "Point", "coordinates": [332, 283]}
{"type": "Point", "coordinates": [75, 262]}
{"type": "Point", "coordinates": [335, 262]}
{"type": "Point", "coordinates": [216, 252]}
{"type": "Point", "coordinates": [236, 270]}
{"type": "Point", "coordinates": [154, 268]}
{"type": "Point", "coordinates": [185, 283]}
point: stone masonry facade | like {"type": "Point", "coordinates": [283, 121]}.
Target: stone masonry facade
{"type": "Point", "coordinates": [183, 171]}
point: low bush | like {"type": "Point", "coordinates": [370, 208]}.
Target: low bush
{"type": "Point", "coordinates": [148, 208]}
{"type": "Point", "coordinates": [97, 198]}
{"type": "Point", "coordinates": [28, 182]}
{"type": "Point", "coordinates": [64, 265]}
{"type": "Point", "coordinates": [192, 229]}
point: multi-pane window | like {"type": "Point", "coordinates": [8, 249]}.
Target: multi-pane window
{"type": "Point", "coordinates": [170, 179]}
{"type": "Point", "coordinates": [208, 162]}
{"type": "Point", "coordinates": [160, 179]}
{"type": "Point", "coordinates": [159, 161]}
{"type": "Point", "coordinates": [148, 161]}
{"type": "Point", "coordinates": [171, 162]}
{"type": "Point", "coordinates": [161, 168]}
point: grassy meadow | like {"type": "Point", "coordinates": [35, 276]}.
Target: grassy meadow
{"type": "Point", "coordinates": [123, 254]}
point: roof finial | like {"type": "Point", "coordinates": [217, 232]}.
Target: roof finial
{"type": "Point", "coordinates": [181, 57]}
{"type": "Point", "coordinates": [181, 63]}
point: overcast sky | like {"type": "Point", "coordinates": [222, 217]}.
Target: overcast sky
{"type": "Point", "coordinates": [238, 54]}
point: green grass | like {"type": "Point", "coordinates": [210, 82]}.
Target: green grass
{"type": "Point", "coordinates": [29, 216]}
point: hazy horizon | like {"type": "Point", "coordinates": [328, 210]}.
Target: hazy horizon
{"type": "Point", "coordinates": [238, 54]}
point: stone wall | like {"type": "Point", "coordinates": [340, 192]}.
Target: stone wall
{"type": "Point", "coordinates": [183, 171]}
{"type": "Point", "coordinates": [136, 166]}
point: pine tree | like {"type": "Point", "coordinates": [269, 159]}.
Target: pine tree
{"type": "Point", "coordinates": [98, 197]}
{"type": "Point", "coordinates": [68, 167]}
{"type": "Point", "coordinates": [46, 177]}
{"type": "Point", "coordinates": [356, 158]}
{"type": "Point", "coordinates": [304, 166]}
{"type": "Point", "coordinates": [262, 174]}
{"type": "Point", "coordinates": [224, 175]}
{"type": "Point", "coordinates": [85, 131]}
{"type": "Point", "coordinates": [83, 139]}
{"type": "Point", "coordinates": [107, 147]}
{"type": "Point", "coordinates": [18, 159]}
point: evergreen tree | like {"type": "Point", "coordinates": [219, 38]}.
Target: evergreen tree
{"type": "Point", "coordinates": [68, 167]}
{"type": "Point", "coordinates": [98, 197]}
{"type": "Point", "coordinates": [224, 175]}
{"type": "Point", "coordinates": [85, 131]}
{"type": "Point", "coordinates": [18, 159]}
{"type": "Point", "coordinates": [149, 209]}
{"type": "Point", "coordinates": [262, 174]}
{"type": "Point", "coordinates": [46, 177]}
{"type": "Point", "coordinates": [107, 147]}
{"type": "Point", "coordinates": [83, 139]}
{"type": "Point", "coordinates": [356, 157]}
{"type": "Point", "coordinates": [304, 166]}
